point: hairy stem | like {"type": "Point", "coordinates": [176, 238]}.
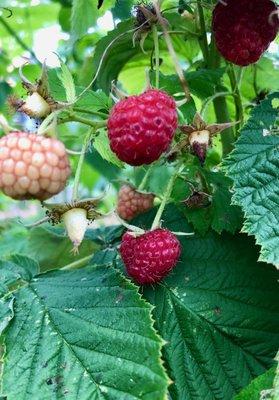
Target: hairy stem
{"type": "Point", "coordinates": [76, 118]}
{"type": "Point", "coordinates": [167, 194]}
{"type": "Point", "coordinates": [172, 52]}
{"type": "Point", "coordinates": [156, 53]}
{"type": "Point", "coordinates": [91, 112]}
{"type": "Point", "coordinates": [145, 178]}
{"type": "Point", "coordinates": [77, 264]}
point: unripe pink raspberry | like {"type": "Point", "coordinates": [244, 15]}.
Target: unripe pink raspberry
{"type": "Point", "coordinates": [132, 203]}
{"type": "Point", "coordinates": [150, 257]}
{"type": "Point", "coordinates": [32, 166]}
{"type": "Point", "coordinates": [244, 29]}
{"type": "Point", "coordinates": [141, 128]}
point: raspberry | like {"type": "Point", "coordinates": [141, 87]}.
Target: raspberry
{"type": "Point", "coordinates": [141, 128]}
{"type": "Point", "coordinates": [32, 166]}
{"type": "Point", "coordinates": [132, 203]}
{"type": "Point", "coordinates": [244, 29]}
{"type": "Point", "coordinates": [150, 257]}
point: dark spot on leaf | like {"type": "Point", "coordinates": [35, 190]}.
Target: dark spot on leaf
{"type": "Point", "coordinates": [217, 310]}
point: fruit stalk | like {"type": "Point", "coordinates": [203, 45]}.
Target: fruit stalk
{"type": "Point", "coordinates": [157, 219]}
{"type": "Point", "coordinates": [76, 118]}
{"type": "Point", "coordinates": [77, 264]}
{"type": "Point", "coordinates": [79, 167]}
{"type": "Point", "coordinates": [172, 53]}
{"type": "Point", "coordinates": [156, 53]}
{"type": "Point", "coordinates": [145, 178]}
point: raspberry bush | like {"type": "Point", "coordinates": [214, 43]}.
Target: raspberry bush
{"type": "Point", "coordinates": [139, 204]}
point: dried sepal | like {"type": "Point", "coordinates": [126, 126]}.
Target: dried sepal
{"type": "Point", "coordinates": [39, 103]}
{"type": "Point", "coordinates": [199, 135]}
{"type": "Point", "coordinates": [75, 215]}
{"type": "Point", "coordinates": [56, 211]}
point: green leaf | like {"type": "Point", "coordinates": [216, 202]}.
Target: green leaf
{"type": "Point", "coordinates": [262, 383]}
{"type": "Point", "coordinates": [254, 168]}
{"type": "Point", "coordinates": [67, 81]}
{"type": "Point", "coordinates": [220, 215]}
{"type": "Point", "coordinates": [17, 268]}
{"type": "Point", "coordinates": [218, 311]}
{"type": "Point", "coordinates": [57, 248]}
{"type": "Point", "coordinates": [82, 17]}
{"type": "Point", "coordinates": [101, 144]}
{"type": "Point", "coordinates": [85, 14]}
{"type": "Point", "coordinates": [83, 334]}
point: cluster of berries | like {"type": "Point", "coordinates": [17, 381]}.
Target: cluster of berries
{"type": "Point", "coordinates": [140, 129]}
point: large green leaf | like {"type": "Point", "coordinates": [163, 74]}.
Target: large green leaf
{"type": "Point", "coordinates": [254, 168]}
{"type": "Point", "coordinates": [218, 312]}
{"type": "Point", "coordinates": [57, 248]}
{"type": "Point", "coordinates": [219, 214]}
{"type": "Point", "coordinates": [82, 334]}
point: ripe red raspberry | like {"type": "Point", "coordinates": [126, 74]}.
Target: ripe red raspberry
{"type": "Point", "coordinates": [141, 128]}
{"type": "Point", "coordinates": [32, 166]}
{"type": "Point", "coordinates": [132, 203]}
{"type": "Point", "coordinates": [244, 29]}
{"type": "Point", "coordinates": [150, 257]}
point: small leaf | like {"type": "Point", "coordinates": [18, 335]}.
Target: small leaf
{"type": "Point", "coordinates": [67, 81]}
{"type": "Point", "coordinates": [101, 144]}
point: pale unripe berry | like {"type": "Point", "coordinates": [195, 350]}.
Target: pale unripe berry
{"type": "Point", "coordinates": [36, 106]}
{"type": "Point", "coordinates": [32, 166]}
{"type": "Point", "coordinates": [76, 222]}
{"type": "Point", "coordinates": [132, 202]}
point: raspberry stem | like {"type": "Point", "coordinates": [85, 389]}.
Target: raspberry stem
{"type": "Point", "coordinates": [79, 167]}
{"type": "Point", "coordinates": [172, 52]}
{"type": "Point", "coordinates": [76, 118]}
{"type": "Point", "coordinates": [145, 178]}
{"type": "Point", "coordinates": [157, 53]}
{"type": "Point", "coordinates": [157, 219]}
{"type": "Point", "coordinates": [78, 264]}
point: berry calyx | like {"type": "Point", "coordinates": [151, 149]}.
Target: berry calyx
{"type": "Point", "coordinates": [244, 29]}
{"type": "Point", "coordinates": [32, 166]}
{"type": "Point", "coordinates": [199, 136]}
{"type": "Point", "coordinates": [75, 215]}
{"type": "Point", "coordinates": [141, 128]}
{"type": "Point", "coordinates": [35, 106]}
{"type": "Point", "coordinates": [131, 202]}
{"type": "Point", "coordinates": [148, 258]}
